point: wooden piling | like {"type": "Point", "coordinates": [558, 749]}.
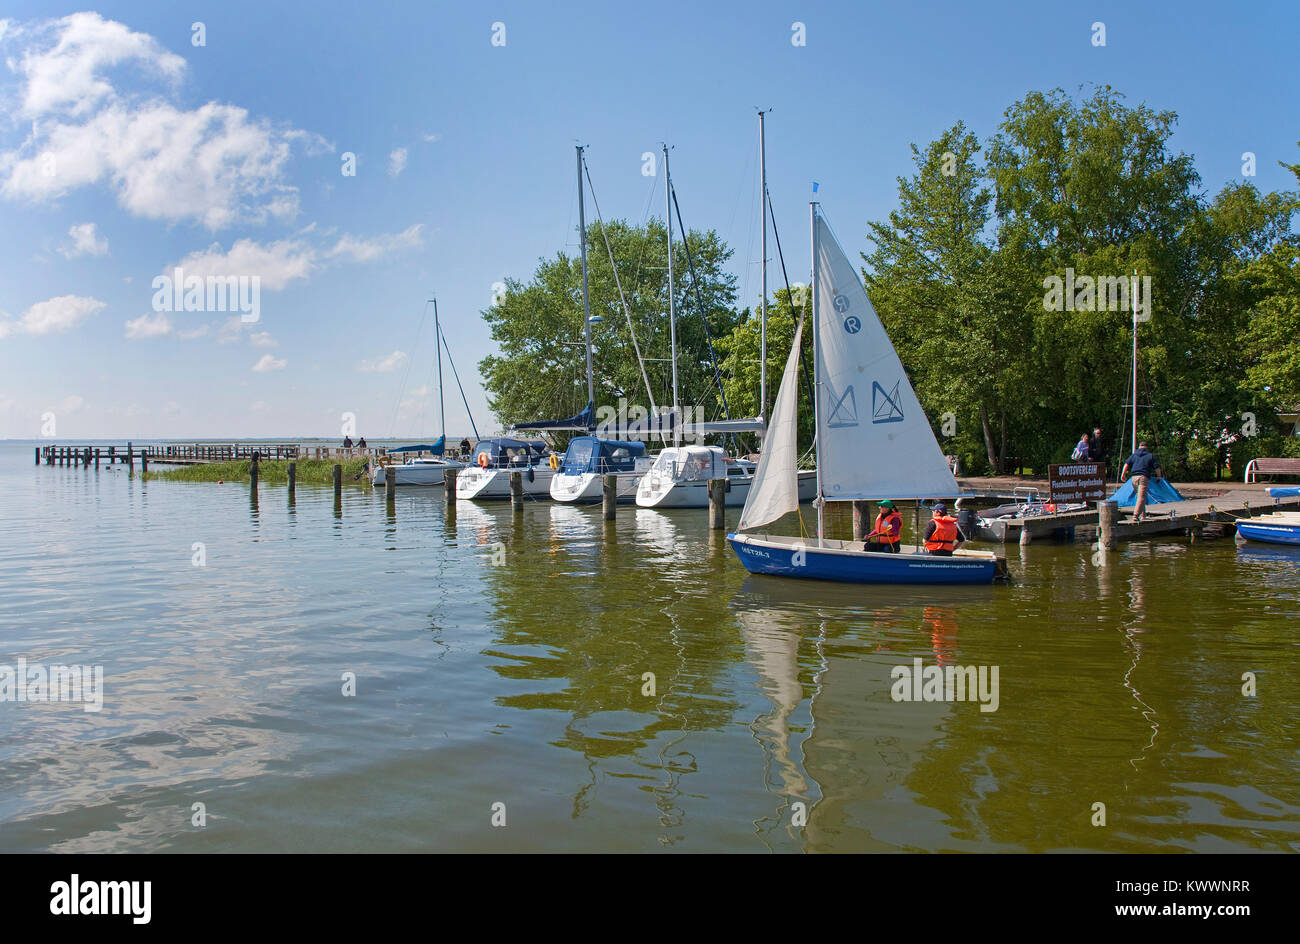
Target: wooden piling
{"type": "Point", "coordinates": [144, 464]}
{"type": "Point", "coordinates": [517, 492]}
{"type": "Point", "coordinates": [97, 457]}
{"type": "Point", "coordinates": [390, 483]}
{"type": "Point", "coordinates": [449, 488]}
{"type": "Point", "coordinates": [717, 504]}
{"type": "Point", "coordinates": [293, 479]}
{"type": "Point", "coordinates": [861, 520]}
{"type": "Point", "coordinates": [338, 481]}
{"type": "Point", "coordinates": [609, 496]}
{"type": "Point", "coordinates": [252, 470]}
{"type": "Point", "coordinates": [1107, 513]}
{"type": "Point", "coordinates": [130, 458]}
{"type": "Point", "coordinates": [1026, 538]}
{"type": "Point", "coordinates": [38, 455]}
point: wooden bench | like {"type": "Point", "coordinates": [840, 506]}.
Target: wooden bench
{"type": "Point", "coordinates": [1257, 467]}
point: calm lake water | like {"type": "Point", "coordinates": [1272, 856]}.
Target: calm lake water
{"type": "Point", "coordinates": [501, 660]}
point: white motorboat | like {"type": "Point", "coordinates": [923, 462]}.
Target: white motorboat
{"type": "Point", "coordinates": [580, 477]}
{"type": "Point", "coordinates": [679, 478]}
{"type": "Point", "coordinates": [420, 470]}
{"type": "Point", "coordinates": [487, 478]}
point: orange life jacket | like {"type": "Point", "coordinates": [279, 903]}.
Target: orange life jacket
{"type": "Point", "coordinates": [885, 533]}
{"type": "Point", "coordinates": [945, 534]}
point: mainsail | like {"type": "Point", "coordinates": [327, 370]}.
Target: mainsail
{"type": "Point", "coordinates": [873, 438]}
{"type": "Point", "coordinates": [775, 489]}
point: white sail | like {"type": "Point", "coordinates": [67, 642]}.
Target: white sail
{"type": "Point", "coordinates": [873, 438]}
{"type": "Point", "coordinates": [775, 490]}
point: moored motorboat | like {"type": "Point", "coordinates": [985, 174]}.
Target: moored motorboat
{"type": "Point", "coordinates": [487, 477]}
{"type": "Point", "coordinates": [418, 470]}
{"type": "Point", "coordinates": [679, 478]}
{"type": "Point", "coordinates": [580, 477]}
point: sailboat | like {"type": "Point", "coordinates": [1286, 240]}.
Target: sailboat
{"type": "Point", "coordinates": [873, 442]}
{"type": "Point", "coordinates": [679, 476]}
{"type": "Point", "coordinates": [579, 478]}
{"type": "Point", "coordinates": [421, 469]}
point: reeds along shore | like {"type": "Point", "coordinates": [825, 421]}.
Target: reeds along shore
{"type": "Point", "coordinates": [272, 471]}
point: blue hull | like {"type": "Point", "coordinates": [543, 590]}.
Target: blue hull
{"type": "Point", "coordinates": [815, 564]}
{"type": "Point", "coordinates": [1269, 533]}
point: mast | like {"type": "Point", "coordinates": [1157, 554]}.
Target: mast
{"type": "Point", "coordinates": [1133, 304]}
{"type": "Point", "coordinates": [817, 395]}
{"type": "Point", "coordinates": [672, 314]}
{"type": "Point", "coordinates": [442, 413]}
{"type": "Point", "coordinates": [762, 344]}
{"type": "Point", "coordinates": [586, 302]}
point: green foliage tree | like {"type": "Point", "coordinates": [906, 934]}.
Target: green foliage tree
{"type": "Point", "coordinates": [540, 371]}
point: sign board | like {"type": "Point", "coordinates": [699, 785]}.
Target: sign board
{"type": "Point", "coordinates": [1077, 482]}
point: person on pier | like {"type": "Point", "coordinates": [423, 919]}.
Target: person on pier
{"type": "Point", "coordinates": [888, 532]}
{"type": "Point", "coordinates": [1142, 465]}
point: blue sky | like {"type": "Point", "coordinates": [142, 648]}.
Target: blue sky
{"type": "Point", "coordinates": [227, 157]}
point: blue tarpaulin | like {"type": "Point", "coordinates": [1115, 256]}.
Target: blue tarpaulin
{"type": "Point", "coordinates": [437, 448]}
{"type": "Point", "coordinates": [1289, 491]}
{"type": "Point", "coordinates": [1159, 491]}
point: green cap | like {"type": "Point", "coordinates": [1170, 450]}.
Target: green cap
{"type": "Point", "coordinates": [887, 504]}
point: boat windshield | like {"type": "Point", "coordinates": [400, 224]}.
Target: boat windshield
{"type": "Point", "coordinates": [690, 463]}
{"type": "Point", "coordinates": [505, 453]}
{"type": "Point", "coordinates": [587, 454]}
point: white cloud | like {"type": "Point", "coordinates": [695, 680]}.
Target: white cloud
{"type": "Point", "coordinates": [383, 365]}
{"type": "Point", "coordinates": [86, 241]}
{"type": "Point", "coordinates": [431, 138]}
{"type": "Point", "coordinates": [276, 264]}
{"type": "Point", "coordinates": [54, 315]}
{"type": "Point", "coordinates": [148, 326]}
{"type": "Point", "coordinates": [364, 250]}
{"type": "Point", "coordinates": [199, 332]}
{"type": "Point", "coordinates": [71, 404]}
{"type": "Point", "coordinates": [268, 362]}
{"type": "Point", "coordinates": [231, 330]}
{"type": "Point", "coordinates": [262, 339]}
{"type": "Point", "coordinates": [418, 396]}
{"type": "Point", "coordinates": [213, 164]}
{"type": "Point", "coordinates": [396, 162]}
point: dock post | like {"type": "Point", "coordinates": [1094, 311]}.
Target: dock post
{"type": "Point", "coordinates": [517, 492]}
{"type": "Point", "coordinates": [718, 504]}
{"type": "Point", "coordinates": [1025, 537]}
{"type": "Point", "coordinates": [130, 458]}
{"type": "Point", "coordinates": [609, 497]}
{"type": "Point", "coordinates": [38, 455]}
{"type": "Point", "coordinates": [293, 479]}
{"type": "Point", "coordinates": [449, 488]}
{"type": "Point", "coordinates": [252, 470]}
{"type": "Point", "coordinates": [144, 464]}
{"type": "Point", "coordinates": [861, 520]}
{"type": "Point", "coordinates": [97, 457]}
{"type": "Point", "coordinates": [338, 481]}
{"type": "Point", "coordinates": [390, 484]}
{"type": "Point", "coordinates": [1107, 512]}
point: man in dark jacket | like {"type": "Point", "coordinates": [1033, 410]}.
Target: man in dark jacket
{"type": "Point", "coordinates": [1142, 465]}
{"type": "Point", "coordinates": [1097, 448]}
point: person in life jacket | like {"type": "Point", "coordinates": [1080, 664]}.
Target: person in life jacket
{"type": "Point", "coordinates": [941, 534]}
{"type": "Point", "coordinates": [888, 532]}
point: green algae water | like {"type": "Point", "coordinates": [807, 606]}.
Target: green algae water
{"type": "Point", "coordinates": [355, 676]}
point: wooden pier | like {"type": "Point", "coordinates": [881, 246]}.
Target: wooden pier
{"type": "Point", "coordinates": [198, 453]}
{"type": "Point", "coordinates": [1188, 517]}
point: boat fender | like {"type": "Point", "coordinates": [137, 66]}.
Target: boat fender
{"type": "Point", "coordinates": [482, 460]}
{"type": "Point", "coordinates": [531, 476]}
{"type": "Point", "coordinates": [553, 462]}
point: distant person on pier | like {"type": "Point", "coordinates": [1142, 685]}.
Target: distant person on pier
{"type": "Point", "coordinates": [887, 533]}
{"type": "Point", "coordinates": [941, 535]}
{"type": "Point", "coordinates": [1142, 465]}
{"type": "Point", "coordinates": [1082, 448]}
{"type": "Point", "coordinates": [361, 443]}
{"type": "Point", "coordinates": [1097, 448]}
{"type": "Point", "coordinates": [347, 442]}
{"type": "Point", "coordinates": [465, 446]}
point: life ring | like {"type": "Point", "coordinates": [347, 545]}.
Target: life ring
{"type": "Point", "coordinates": [554, 461]}
{"type": "Point", "coordinates": [482, 460]}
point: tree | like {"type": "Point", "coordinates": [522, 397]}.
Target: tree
{"type": "Point", "coordinates": [540, 371]}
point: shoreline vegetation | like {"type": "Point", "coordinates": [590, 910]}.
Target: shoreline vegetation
{"type": "Point", "coordinates": [269, 471]}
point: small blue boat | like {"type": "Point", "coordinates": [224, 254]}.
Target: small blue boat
{"type": "Point", "coordinates": [846, 562]}
{"type": "Point", "coordinates": [1280, 528]}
